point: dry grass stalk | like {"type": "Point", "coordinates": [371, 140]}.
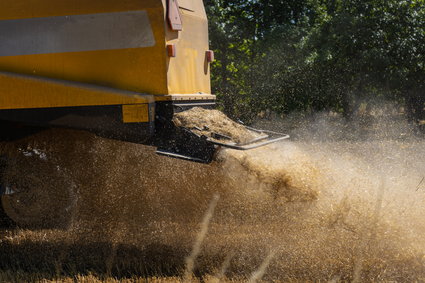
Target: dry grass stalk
{"type": "Point", "coordinates": [225, 266]}
{"type": "Point", "coordinates": [259, 273]}
{"type": "Point", "coordinates": [420, 183]}
{"type": "Point", "coordinates": [190, 260]}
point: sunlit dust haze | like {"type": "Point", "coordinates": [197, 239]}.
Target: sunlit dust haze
{"type": "Point", "coordinates": [339, 201]}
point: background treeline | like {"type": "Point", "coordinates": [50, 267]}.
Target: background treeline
{"type": "Point", "coordinates": [311, 55]}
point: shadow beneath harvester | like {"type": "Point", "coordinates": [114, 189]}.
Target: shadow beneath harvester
{"type": "Point", "coordinates": [103, 259]}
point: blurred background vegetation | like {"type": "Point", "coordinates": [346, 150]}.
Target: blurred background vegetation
{"type": "Point", "coordinates": [312, 55]}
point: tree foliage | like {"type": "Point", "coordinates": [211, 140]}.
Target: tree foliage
{"type": "Point", "coordinates": [317, 54]}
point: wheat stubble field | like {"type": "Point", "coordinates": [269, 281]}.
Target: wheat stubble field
{"type": "Point", "coordinates": [333, 204]}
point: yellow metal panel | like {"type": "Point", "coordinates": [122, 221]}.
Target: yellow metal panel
{"type": "Point", "coordinates": [138, 69]}
{"type": "Point", "coordinates": [121, 69]}
{"type": "Point", "coordinates": [18, 9]}
{"type": "Point", "coordinates": [188, 5]}
{"type": "Point", "coordinates": [143, 70]}
{"type": "Point", "coordinates": [137, 113]}
{"type": "Point", "coordinates": [21, 92]}
{"type": "Point", "coordinates": [188, 73]}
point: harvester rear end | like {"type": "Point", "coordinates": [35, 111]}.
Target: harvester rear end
{"type": "Point", "coordinates": [118, 69]}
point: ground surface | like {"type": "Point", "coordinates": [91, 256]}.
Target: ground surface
{"type": "Point", "coordinates": [338, 202]}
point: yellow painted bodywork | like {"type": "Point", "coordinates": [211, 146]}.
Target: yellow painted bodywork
{"type": "Point", "coordinates": [31, 92]}
{"type": "Point", "coordinates": [123, 69]}
{"type": "Point", "coordinates": [146, 70]}
{"type": "Point", "coordinates": [189, 72]}
{"type": "Point", "coordinates": [135, 113]}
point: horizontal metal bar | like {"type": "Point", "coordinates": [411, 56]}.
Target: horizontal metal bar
{"type": "Point", "coordinates": [180, 156]}
{"type": "Point", "coordinates": [256, 140]}
{"type": "Point", "coordinates": [263, 131]}
{"type": "Point", "coordinates": [251, 146]}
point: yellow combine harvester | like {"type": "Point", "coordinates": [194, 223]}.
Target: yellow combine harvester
{"type": "Point", "coordinates": [114, 68]}
{"type": "Point", "coordinates": [119, 69]}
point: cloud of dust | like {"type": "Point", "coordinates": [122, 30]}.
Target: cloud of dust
{"type": "Point", "coordinates": [328, 204]}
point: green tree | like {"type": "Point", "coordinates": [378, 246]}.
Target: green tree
{"type": "Point", "coordinates": [378, 46]}
{"type": "Point", "coordinates": [239, 33]}
{"type": "Point", "coordinates": [317, 54]}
